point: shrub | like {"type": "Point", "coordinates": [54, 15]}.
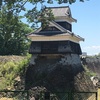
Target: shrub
{"type": "Point", "coordinates": [10, 70]}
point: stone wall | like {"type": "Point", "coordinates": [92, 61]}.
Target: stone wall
{"type": "Point", "coordinates": [60, 73]}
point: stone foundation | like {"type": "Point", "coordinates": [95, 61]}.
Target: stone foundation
{"type": "Point", "coordinates": [60, 73]}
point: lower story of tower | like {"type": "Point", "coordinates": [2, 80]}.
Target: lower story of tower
{"type": "Point", "coordinates": [54, 47]}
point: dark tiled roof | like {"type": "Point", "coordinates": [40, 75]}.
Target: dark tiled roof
{"type": "Point", "coordinates": [61, 11]}
{"type": "Point", "coordinates": [49, 33]}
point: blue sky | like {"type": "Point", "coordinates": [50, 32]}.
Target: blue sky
{"type": "Point", "coordinates": [88, 23]}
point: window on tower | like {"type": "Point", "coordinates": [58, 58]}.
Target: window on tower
{"type": "Point", "coordinates": [65, 25]}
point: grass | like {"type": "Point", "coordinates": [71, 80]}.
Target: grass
{"type": "Point", "coordinates": [4, 98]}
{"type": "Point", "coordinates": [99, 94]}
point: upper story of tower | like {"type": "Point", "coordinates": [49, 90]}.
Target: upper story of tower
{"type": "Point", "coordinates": [63, 14]}
{"type": "Point", "coordinates": [59, 29]}
{"type": "Point", "coordinates": [63, 17]}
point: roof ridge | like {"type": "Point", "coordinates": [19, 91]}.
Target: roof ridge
{"type": "Point", "coordinates": [59, 7]}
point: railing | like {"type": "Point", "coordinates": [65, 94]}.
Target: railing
{"type": "Point", "coordinates": [24, 95]}
{"type": "Point", "coordinates": [68, 96]}
{"type": "Point", "coordinates": [14, 95]}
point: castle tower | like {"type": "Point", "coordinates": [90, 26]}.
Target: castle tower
{"type": "Point", "coordinates": [55, 52]}
{"type": "Point", "coordinates": [58, 37]}
{"type": "Point", "coordinates": [55, 63]}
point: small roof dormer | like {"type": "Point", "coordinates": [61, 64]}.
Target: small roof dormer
{"type": "Point", "coordinates": [63, 14]}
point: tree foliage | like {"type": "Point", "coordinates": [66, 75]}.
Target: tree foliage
{"type": "Point", "coordinates": [12, 29]}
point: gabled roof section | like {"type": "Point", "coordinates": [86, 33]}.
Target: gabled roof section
{"type": "Point", "coordinates": [62, 32]}
{"type": "Point", "coordinates": [63, 11]}
{"type": "Point", "coordinates": [51, 24]}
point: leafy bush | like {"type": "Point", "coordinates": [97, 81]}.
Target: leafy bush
{"type": "Point", "coordinates": [10, 70]}
{"type": "Point", "coordinates": [88, 72]}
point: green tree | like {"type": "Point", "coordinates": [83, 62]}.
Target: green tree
{"type": "Point", "coordinates": [12, 29]}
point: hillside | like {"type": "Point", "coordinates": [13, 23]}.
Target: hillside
{"type": "Point", "coordinates": [12, 69]}
{"type": "Point", "coordinates": [13, 58]}
{"type": "Point", "coordinates": [93, 64]}
{"type": "Point", "coordinates": [92, 67]}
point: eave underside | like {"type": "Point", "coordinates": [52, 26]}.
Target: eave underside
{"type": "Point", "coordinates": [62, 37]}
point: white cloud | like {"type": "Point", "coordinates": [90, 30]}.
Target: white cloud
{"type": "Point", "coordinates": [91, 50]}
{"type": "Point", "coordinates": [92, 47]}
